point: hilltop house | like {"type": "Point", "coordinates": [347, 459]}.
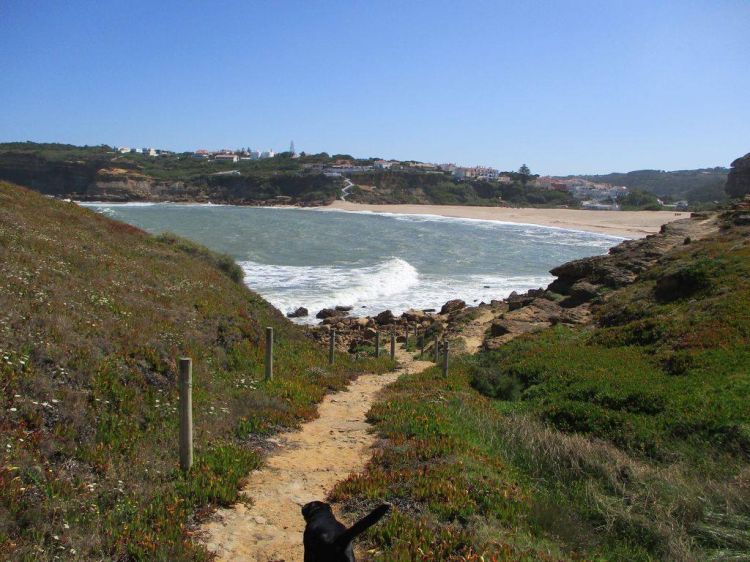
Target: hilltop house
{"type": "Point", "coordinates": [475, 173]}
{"type": "Point", "coordinates": [226, 158]}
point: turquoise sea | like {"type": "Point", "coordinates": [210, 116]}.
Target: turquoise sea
{"type": "Point", "coordinates": [320, 258]}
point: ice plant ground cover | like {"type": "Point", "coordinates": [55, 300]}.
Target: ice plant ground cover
{"type": "Point", "coordinates": [93, 315]}
{"type": "Point", "coordinates": [625, 440]}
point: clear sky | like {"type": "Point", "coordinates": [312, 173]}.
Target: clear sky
{"type": "Point", "coordinates": [564, 86]}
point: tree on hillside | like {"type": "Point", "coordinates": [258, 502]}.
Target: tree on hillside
{"type": "Point", "coordinates": [525, 174]}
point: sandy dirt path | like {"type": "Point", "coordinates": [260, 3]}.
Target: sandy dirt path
{"type": "Point", "coordinates": [305, 467]}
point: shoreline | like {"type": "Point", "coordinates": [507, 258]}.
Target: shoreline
{"type": "Point", "coordinates": [619, 224]}
{"type": "Point", "coordinates": [624, 224]}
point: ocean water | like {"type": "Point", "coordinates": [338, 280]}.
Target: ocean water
{"type": "Point", "coordinates": [321, 258]}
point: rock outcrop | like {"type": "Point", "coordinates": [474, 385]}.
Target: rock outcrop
{"type": "Point", "coordinates": [738, 181]}
{"type": "Point", "coordinates": [301, 312]}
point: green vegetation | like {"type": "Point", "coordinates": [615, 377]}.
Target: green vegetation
{"type": "Point", "coordinates": [704, 185]}
{"type": "Point", "coordinates": [441, 189]}
{"type": "Point", "coordinates": [93, 315]}
{"type": "Point", "coordinates": [636, 200]}
{"type": "Point", "coordinates": [100, 172]}
{"type": "Point", "coordinates": [628, 440]}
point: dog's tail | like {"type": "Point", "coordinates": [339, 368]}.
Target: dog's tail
{"type": "Point", "coordinates": [362, 525]}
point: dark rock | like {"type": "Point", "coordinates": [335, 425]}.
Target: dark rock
{"type": "Point", "coordinates": [581, 292]}
{"type": "Point", "coordinates": [516, 301]}
{"type": "Point", "coordinates": [412, 315]}
{"type": "Point", "coordinates": [299, 313]}
{"type": "Point", "coordinates": [452, 306]}
{"type": "Point", "coordinates": [341, 308]}
{"type": "Point", "coordinates": [327, 313]}
{"type": "Point", "coordinates": [499, 328]}
{"type": "Point", "coordinates": [428, 310]}
{"type": "Point", "coordinates": [385, 317]}
{"type": "Point", "coordinates": [738, 180]}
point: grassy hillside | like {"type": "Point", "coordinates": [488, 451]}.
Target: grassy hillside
{"type": "Point", "coordinates": [93, 315]}
{"type": "Point", "coordinates": [442, 189]}
{"type": "Point", "coordinates": [696, 186]}
{"type": "Point", "coordinates": [98, 172]}
{"type": "Point", "coordinates": [625, 440]}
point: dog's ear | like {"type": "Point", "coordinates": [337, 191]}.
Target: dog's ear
{"type": "Point", "coordinates": [361, 526]}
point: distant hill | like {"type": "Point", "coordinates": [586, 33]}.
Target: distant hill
{"type": "Point", "coordinates": [696, 186]}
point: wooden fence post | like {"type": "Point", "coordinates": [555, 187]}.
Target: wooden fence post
{"type": "Point", "coordinates": [421, 345]}
{"type": "Point", "coordinates": [436, 350]}
{"type": "Point", "coordinates": [406, 337]}
{"type": "Point", "coordinates": [393, 345]}
{"type": "Point", "coordinates": [269, 353]}
{"type": "Point", "coordinates": [445, 358]}
{"type": "Point", "coordinates": [186, 413]}
{"type": "Point", "coordinates": [331, 347]}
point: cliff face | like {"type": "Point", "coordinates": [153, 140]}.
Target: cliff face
{"type": "Point", "coordinates": [102, 179]}
{"type": "Point", "coordinates": [738, 181]}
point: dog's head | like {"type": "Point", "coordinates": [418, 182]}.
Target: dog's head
{"type": "Point", "coordinates": [310, 509]}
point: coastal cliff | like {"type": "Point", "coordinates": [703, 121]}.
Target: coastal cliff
{"type": "Point", "coordinates": [98, 174]}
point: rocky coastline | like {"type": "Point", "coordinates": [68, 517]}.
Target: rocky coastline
{"type": "Point", "coordinates": [571, 299]}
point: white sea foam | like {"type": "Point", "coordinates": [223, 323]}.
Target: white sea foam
{"type": "Point", "coordinates": [317, 287]}
{"type": "Point", "coordinates": [393, 284]}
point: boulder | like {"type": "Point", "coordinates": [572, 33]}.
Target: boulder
{"type": "Point", "coordinates": [452, 306]}
{"type": "Point", "coordinates": [385, 317]}
{"type": "Point", "coordinates": [581, 292]}
{"type": "Point", "coordinates": [516, 301]}
{"type": "Point", "coordinates": [413, 315]}
{"type": "Point", "coordinates": [301, 312]}
{"type": "Point", "coordinates": [341, 308]}
{"type": "Point", "coordinates": [738, 180]}
{"type": "Point", "coordinates": [327, 313]}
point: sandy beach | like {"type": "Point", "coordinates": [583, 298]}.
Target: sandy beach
{"type": "Point", "coordinates": [628, 224]}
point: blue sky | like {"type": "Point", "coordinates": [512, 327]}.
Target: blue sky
{"type": "Point", "coordinates": [564, 86]}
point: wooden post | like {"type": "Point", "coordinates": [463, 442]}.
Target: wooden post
{"type": "Point", "coordinates": [445, 358]}
{"type": "Point", "coordinates": [415, 332]}
{"type": "Point", "coordinates": [421, 345]}
{"type": "Point", "coordinates": [269, 353]}
{"type": "Point", "coordinates": [331, 347]}
{"type": "Point", "coordinates": [377, 343]}
{"type": "Point", "coordinates": [393, 345]}
{"type": "Point", "coordinates": [186, 413]}
{"type": "Point", "coordinates": [406, 338]}
{"type": "Point", "coordinates": [436, 350]}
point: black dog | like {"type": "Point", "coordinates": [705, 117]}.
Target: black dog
{"type": "Point", "coordinates": [328, 540]}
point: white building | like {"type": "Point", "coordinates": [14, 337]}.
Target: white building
{"type": "Point", "coordinates": [475, 173]}
{"type": "Point", "coordinates": [226, 158]}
